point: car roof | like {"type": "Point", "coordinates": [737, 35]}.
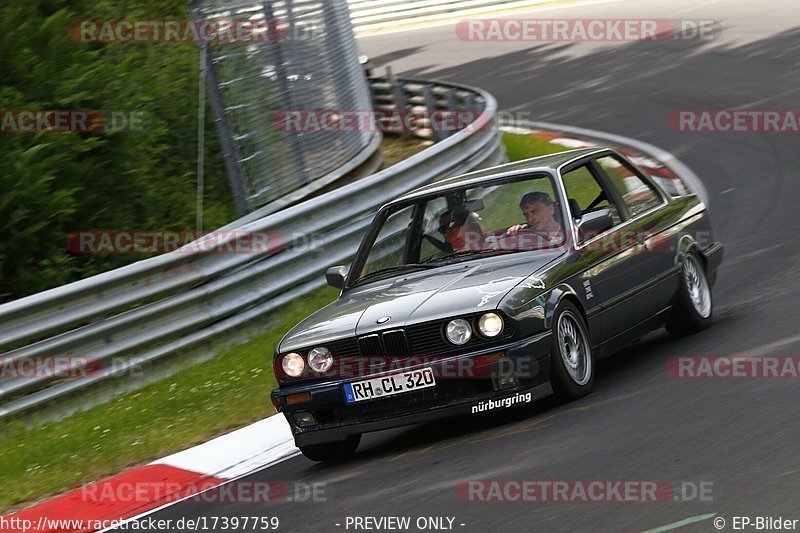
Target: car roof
{"type": "Point", "coordinates": [545, 163]}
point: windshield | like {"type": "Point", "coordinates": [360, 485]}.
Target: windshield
{"type": "Point", "coordinates": [518, 214]}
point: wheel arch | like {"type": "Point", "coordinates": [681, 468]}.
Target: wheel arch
{"type": "Point", "coordinates": [686, 245]}
{"type": "Point", "coordinates": [559, 294]}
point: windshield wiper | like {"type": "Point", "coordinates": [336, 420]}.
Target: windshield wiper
{"type": "Point", "coordinates": [464, 253]}
{"type": "Point", "coordinates": [398, 268]}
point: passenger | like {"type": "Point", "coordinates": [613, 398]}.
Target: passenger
{"type": "Point", "coordinates": [460, 230]}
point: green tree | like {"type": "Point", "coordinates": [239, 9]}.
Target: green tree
{"type": "Point", "coordinates": [54, 183]}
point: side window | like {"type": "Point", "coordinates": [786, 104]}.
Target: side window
{"type": "Point", "coordinates": [638, 195]}
{"type": "Point", "coordinates": [587, 193]}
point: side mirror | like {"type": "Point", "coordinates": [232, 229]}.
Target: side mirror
{"type": "Point", "coordinates": [335, 276]}
{"type": "Point", "coordinates": [594, 223]}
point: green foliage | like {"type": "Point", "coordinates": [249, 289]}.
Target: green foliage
{"type": "Point", "coordinates": [54, 183]}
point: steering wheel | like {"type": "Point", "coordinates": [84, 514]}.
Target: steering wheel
{"type": "Point", "coordinates": [526, 230]}
{"type": "Point", "coordinates": [546, 238]}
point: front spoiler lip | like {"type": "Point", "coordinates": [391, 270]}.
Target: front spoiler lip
{"type": "Point", "coordinates": [323, 436]}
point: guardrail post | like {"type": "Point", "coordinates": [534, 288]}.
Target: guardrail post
{"type": "Point", "coordinates": [400, 99]}
{"type": "Point", "coordinates": [398, 89]}
{"type": "Point", "coordinates": [434, 119]}
{"type": "Point", "coordinates": [452, 107]}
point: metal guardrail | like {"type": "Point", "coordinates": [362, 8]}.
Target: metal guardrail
{"type": "Point", "coordinates": [151, 309]}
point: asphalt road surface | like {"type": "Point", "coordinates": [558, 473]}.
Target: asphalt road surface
{"type": "Point", "coordinates": [738, 438]}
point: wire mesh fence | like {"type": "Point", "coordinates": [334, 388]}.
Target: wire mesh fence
{"type": "Point", "coordinates": [298, 55]}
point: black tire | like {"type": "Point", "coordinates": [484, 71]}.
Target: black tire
{"type": "Point", "coordinates": [571, 385]}
{"type": "Point", "coordinates": [332, 451]}
{"type": "Point", "coordinates": [693, 308]}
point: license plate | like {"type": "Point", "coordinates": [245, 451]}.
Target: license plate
{"type": "Point", "coordinates": [389, 385]}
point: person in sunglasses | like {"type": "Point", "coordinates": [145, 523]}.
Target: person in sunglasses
{"type": "Point", "coordinates": [460, 230]}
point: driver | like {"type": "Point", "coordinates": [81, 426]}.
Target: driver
{"type": "Point", "coordinates": [460, 230]}
{"type": "Point", "coordinates": [540, 213]}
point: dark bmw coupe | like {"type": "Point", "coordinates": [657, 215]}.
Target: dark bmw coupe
{"type": "Point", "coordinates": [493, 289]}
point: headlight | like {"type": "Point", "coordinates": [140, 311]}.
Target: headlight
{"type": "Point", "coordinates": [320, 359]}
{"type": "Point", "coordinates": [490, 324]}
{"type": "Point", "coordinates": [293, 364]}
{"type": "Point", "coordinates": [458, 331]}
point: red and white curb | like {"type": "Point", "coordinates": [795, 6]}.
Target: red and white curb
{"type": "Point", "coordinates": [166, 481]}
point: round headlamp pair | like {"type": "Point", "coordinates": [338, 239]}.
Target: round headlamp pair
{"type": "Point", "coordinates": [319, 360]}
{"type": "Point", "coordinates": [459, 331]}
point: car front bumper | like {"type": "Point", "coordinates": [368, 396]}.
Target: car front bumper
{"type": "Point", "coordinates": [526, 362]}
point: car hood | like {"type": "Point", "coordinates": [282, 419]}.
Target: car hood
{"type": "Point", "coordinates": [419, 296]}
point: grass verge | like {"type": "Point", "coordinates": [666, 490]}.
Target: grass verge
{"type": "Point", "coordinates": [396, 149]}
{"type": "Point", "coordinates": [195, 404]}
{"type": "Point", "coordinates": [520, 146]}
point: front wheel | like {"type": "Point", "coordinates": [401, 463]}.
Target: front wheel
{"type": "Point", "coordinates": [572, 360]}
{"type": "Point", "coordinates": [693, 307]}
{"type": "Point", "coordinates": [332, 451]}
